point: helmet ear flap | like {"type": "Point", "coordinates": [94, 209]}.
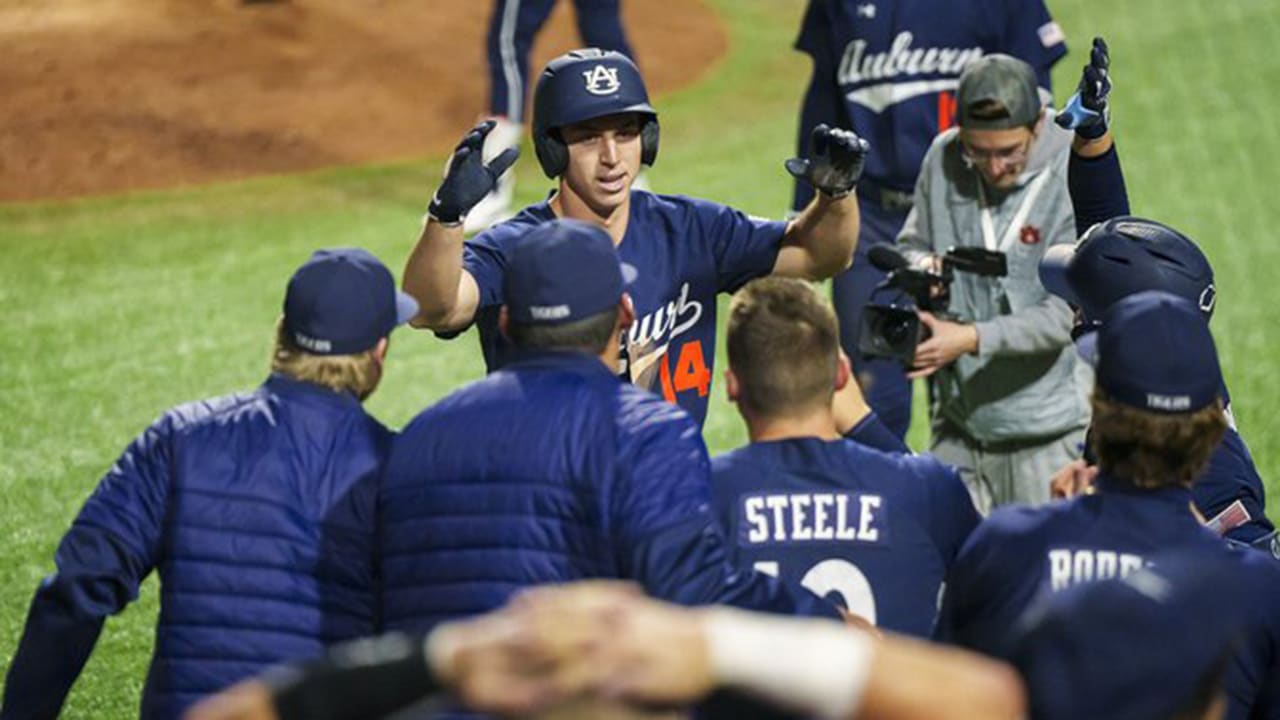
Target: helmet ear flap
{"type": "Point", "coordinates": [552, 153]}
{"type": "Point", "coordinates": [649, 141]}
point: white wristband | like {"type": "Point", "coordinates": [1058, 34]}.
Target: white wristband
{"type": "Point", "coordinates": [811, 666]}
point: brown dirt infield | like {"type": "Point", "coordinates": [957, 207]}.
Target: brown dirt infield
{"type": "Point", "coordinates": [105, 96]}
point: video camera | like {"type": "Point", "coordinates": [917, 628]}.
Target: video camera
{"type": "Point", "coordinates": [893, 331]}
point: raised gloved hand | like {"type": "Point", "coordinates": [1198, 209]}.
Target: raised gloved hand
{"type": "Point", "coordinates": [468, 179]}
{"type": "Point", "coordinates": [1088, 112]}
{"type": "Point", "coordinates": [835, 161]}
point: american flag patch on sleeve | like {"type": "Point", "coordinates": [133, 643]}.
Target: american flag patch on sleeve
{"type": "Point", "coordinates": [1051, 34]}
{"type": "Point", "coordinates": [1232, 517]}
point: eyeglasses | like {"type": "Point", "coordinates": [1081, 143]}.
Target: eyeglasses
{"type": "Point", "coordinates": [1006, 156]}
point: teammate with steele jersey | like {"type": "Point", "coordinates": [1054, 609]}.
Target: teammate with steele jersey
{"type": "Point", "coordinates": [593, 129]}
{"type": "Point", "coordinates": [874, 531]}
{"type": "Point", "coordinates": [888, 69]}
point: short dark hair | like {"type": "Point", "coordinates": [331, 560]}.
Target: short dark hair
{"type": "Point", "coordinates": [1153, 450]}
{"type": "Point", "coordinates": [593, 334]}
{"type": "Point", "coordinates": [784, 347]}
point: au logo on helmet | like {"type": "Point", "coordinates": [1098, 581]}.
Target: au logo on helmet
{"type": "Point", "coordinates": [602, 80]}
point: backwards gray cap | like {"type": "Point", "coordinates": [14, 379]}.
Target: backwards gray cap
{"type": "Point", "coordinates": [1003, 79]}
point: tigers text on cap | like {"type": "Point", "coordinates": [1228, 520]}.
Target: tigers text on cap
{"type": "Point", "coordinates": [342, 301]}
{"type": "Point", "coordinates": [1002, 79]}
{"type": "Point", "coordinates": [563, 271]}
{"type": "Point", "coordinates": [1155, 353]}
{"type": "Point", "coordinates": [1136, 647]}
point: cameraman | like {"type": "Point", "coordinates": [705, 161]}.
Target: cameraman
{"type": "Point", "coordinates": [1006, 406]}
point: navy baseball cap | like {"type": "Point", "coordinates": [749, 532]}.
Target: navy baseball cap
{"type": "Point", "coordinates": [1154, 352]}
{"type": "Point", "coordinates": [1142, 647]}
{"type": "Point", "coordinates": [343, 301]}
{"type": "Point", "coordinates": [1123, 256]}
{"type": "Point", "coordinates": [562, 271]}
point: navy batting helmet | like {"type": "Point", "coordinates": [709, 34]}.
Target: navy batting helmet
{"type": "Point", "coordinates": [1124, 256]}
{"type": "Point", "coordinates": [585, 84]}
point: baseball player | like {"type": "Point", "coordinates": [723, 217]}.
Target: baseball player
{"type": "Point", "coordinates": [256, 510]}
{"type": "Point", "coordinates": [889, 69]}
{"type": "Point", "coordinates": [512, 27]}
{"type": "Point", "coordinates": [1157, 416]}
{"type": "Point", "coordinates": [555, 641]}
{"type": "Point", "coordinates": [873, 531]}
{"type": "Point", "coordinates": [1120, 255]}
{"type": "Point", "coordinates": [593, 129]}
{"type": "Point", "coordinates": [551, 469]}
{"type": "Point", "coordinates": [1153, 644]}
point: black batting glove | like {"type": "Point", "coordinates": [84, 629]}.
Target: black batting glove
{"type": "Point", "coordinates": [468, 179]}
{"type": "Point", "coordinates": [1088, 112]}
{"type": "Point", "coordinates": [835, 161]}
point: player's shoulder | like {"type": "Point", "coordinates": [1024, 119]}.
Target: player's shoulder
{"type": "Point", "coordinates": [211, 412]}
{"type": "Point", "coordinates": [476, 398]}
{"type": "Point", "coordinates": [1022, 524]}
{"type": "Point", "coordinates": [897, 467]}
{"type": "Point", "coordinates": [650, 205]}
{"type": "Point", "coordinates": [640, 412]}
{"type": "Point", "coordinates": [681, 206]}
{"type": "Point", "coordinates": [743, 468]}
{"type": "Point", "coordinates": [948, 139]}
{"type": "Point", "coordinates": [502, 234]}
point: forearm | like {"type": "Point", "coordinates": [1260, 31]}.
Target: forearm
{"type": "Point", "coordinates": [688, 564]}
{"type": "Point", "coordinates": [364, 678]}
{"type": "Point", "coordinates": [55, 645]}
{"type": "Point", "coordinates": [1039, 328]}
{"type": "Point", "coordinates": [912, 679]}
{"type": "Point", "coordinates": [873, 433]}
{"type": "Point", "coordinates": [827, 234]}
{"type": "Point", "coordinates": [1096, 183]}
{"type": "Point", "coordinates": [805, 666]}
{"type": "Point", "coordinates": [433, 276]}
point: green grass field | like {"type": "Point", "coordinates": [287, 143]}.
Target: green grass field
{"type": "Point", "coordinates": [115, 309]}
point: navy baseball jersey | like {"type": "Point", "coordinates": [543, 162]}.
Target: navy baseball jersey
{"type": "Point", "coordinates": [896, 64]}
{"type": "Point", "coordinates": [872, 531]}
{"type": "Point", "coordinates": [1230, 492]}
{"type": "Point", "coordinates": [685, 251]}
{"type": "Point", "coordinates": [1019, 554]}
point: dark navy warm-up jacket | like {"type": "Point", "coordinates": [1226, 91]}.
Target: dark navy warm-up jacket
{"type": "Point", "coordinates": [256, 511]}
{"type": "Point", "coordinates": [553, 470]}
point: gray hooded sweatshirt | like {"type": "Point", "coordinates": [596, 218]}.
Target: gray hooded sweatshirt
{"type": "Point", "coordinates": [1022, 383]}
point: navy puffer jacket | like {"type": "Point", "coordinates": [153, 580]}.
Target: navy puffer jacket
{"type": "Point", "coordinates": [257, 511]}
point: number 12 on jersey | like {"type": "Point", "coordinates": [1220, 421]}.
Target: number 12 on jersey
{"type": "Point", "coordinates": [835, 575]}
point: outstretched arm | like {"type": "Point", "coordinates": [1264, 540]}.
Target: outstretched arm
{"type": "Point", "coordinates": [447, 294]}
{"type": "Point", "coordinates": [819, 243]}
{"type": "Point", "coordinates": [1094, 176]}
{"type": "Point", "coordinates": [110, 548]}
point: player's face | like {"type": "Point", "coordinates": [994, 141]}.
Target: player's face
{"type": "Point", "coordinates": [604, 157]}
{"type": "Point", "coordinates": [1000, 155]}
